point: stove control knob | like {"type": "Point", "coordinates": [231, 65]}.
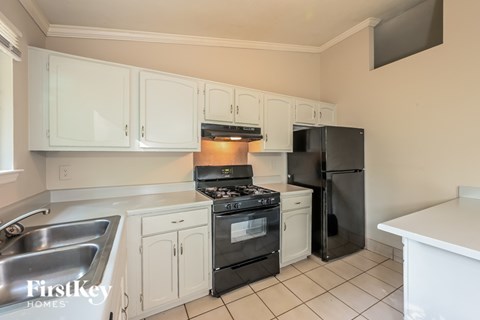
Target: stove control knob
{"type": "Point", "coordinates": [228, 206]}
{"type": "Point", "coordinates": [265, 201]}
{"type": "Point", "coordinates": [236, 205]}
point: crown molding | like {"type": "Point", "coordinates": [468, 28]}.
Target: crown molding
{"type": "Point", "coordinates": [367, 23]}
{"type": "Point", "coordinates": [128, 35]}
{"type": "Point", "coordinates": [37, 15]}
{"type": "Point", "coordinates": [67, 31]}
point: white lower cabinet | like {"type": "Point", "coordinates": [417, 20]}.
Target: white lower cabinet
{"type": "Point", "coordinates": [172, 261]}
{"type": "Point", "coordinates": [192, 261]}
{"type": "Point", "coordinates": [174, 265]}
{"type": "Point", "coordinates": [160, 269]}
{"type": "Point", "coordinates": [296, 228]}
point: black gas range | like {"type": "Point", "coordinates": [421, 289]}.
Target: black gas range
{"type": "Point", "coordinates": [245, 226]}
{"type": "Point", "coordinates": [240, 197]}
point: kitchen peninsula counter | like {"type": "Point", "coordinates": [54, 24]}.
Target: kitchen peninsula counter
{"type": "Point", "coordinates": [441, 259]}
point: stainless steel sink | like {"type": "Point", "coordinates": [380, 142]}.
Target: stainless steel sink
{"type": "Point", "coordinates": [53, 236]}
{"type": "Point", "coordinates": [54, 267]}
{"type": "Point", "coordinates": [57, 254]}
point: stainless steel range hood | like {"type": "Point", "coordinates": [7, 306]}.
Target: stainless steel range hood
{"type": "Point", "coordinates": [218, 132]}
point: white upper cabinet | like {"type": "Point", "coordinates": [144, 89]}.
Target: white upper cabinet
{"type": "Point", "coordinates": [89, 103]}
{"type": "Point", "coordinates": [229, 105]}
{"type": "Point", "coordinates": [314, 113]}
{"type": "Point", "coordinates": [327, 114]}
{"type": "Point", "coordinates": [168, 112]}
{"type": "Point", "coordinates": [277, 125]}
{"type": "Point", "coordinates": [248, 107]}
{"type": "Point", "coordinates": [306, 112]}
{"type": "Point", "coordinates": [218, 103]}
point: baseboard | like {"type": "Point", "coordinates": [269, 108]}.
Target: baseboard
{"type": "Point", "coordinates": [385, 250]}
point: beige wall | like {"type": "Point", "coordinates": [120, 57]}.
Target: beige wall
{"type": "Point", "coordinates": [421, 116]}
{"type": "Point", "coordinates": [296, 74]}
{"type": "Point", "coordinates": [32, 180]}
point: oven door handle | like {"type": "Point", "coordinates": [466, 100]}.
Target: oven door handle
{"type": "Point", "coordinates": [247, 213]}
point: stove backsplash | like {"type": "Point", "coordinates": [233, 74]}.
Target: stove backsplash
{"type": "Point", "coordinates": [216, 153]}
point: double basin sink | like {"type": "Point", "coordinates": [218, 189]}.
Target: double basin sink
{"type": "Point", "coordinates": [57, 254]}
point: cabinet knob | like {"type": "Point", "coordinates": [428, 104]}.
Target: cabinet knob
{"type": "Point", "coordinates": [174, 251]}
{"type": "Point", "coordinates": [314, 113]}
{"type": "Point", "coordinates": [284, 226]}
{"type": "Point", "coordinates": [320, 114]}
{"type": "Point", "coordinates": [237, 109]}
{"type": "Point", "coordinates": [266, 137]}
{"type": "Point", "coordinates": [181, 248]}
{"type": "Point", "coordinates": [126, 130]}
{"type": "Point", "coordinates": [143, 131]}
{"type": "Point", "coordinates": [231, 108]}
{"type": "Point", "coordinates": [297, 203]}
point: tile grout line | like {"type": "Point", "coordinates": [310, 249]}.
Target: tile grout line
{"type": "Point", "coordinates": [326, 291]}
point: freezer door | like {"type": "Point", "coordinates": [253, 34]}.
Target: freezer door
{"type": "Point", "coordinates": [305, 163]}
{"type": "Point", "coordinates": [343, 214]}
{"type": "Point", "coordinates": [343, 148]}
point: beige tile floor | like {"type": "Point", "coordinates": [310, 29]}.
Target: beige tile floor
{"type": "Point", "coordinates": [361, 286]}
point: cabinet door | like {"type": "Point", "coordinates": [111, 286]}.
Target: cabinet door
{"type": "Point", "coordinates": [89, 103]}
{"type": "Point", "coordinates": [248, 107]}
{"type": "Point", "coordinates": [306, 112]}
{"type": "Point", "coordinates": [277, 123]}
{"type": "Point", "coordinates": [168, 112]}
{"type": "Point", "coordinates": [326, 114]}
{"type": "Point", "coordinates": [160, 269]}
{"type": "Point", "coordinates": [218, 103]}
{"type": "Point", "coordinates": [193, 260]}
{"type": "Point", "coordinates": [296, 234]}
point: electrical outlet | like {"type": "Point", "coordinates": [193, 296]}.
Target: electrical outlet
{"type": "Point", "coordinates": [65, 172]}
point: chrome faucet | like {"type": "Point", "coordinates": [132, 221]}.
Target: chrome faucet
{"type": "Point", "coordinates": [14, 227]}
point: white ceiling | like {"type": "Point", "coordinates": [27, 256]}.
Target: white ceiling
{"type": "Point", "coordinates": [299, 22]}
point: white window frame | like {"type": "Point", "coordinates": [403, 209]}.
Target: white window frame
{"type": "Point", "coordinates": [7, 56]}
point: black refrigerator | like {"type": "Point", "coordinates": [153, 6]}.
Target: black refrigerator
{"type": "Point", "coordinates": [330, 160]}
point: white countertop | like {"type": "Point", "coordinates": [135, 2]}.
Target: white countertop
{"type": "Point", "coordinates": [453, 226]}
{"type": "Point", "coordinates": [286, 188]}
{"type": "Point", "coordinates": [80, 308]}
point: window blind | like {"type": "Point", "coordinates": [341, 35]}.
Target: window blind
{"type": "Point", "coordinates": [10, 38]}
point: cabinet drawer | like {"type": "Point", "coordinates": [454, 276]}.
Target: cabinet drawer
{"type": "Point", "coordinates": [174, 221]}
{"type": "Point", "coordinates": [296, 202]}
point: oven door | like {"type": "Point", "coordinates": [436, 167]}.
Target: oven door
{"type": "Point", "coordinates": [241, 236]}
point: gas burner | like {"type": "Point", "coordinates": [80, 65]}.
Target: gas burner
{"type": "Point", "coordinates": [234, 191]}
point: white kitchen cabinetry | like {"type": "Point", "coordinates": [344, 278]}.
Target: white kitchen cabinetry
{"type": "Point", "coordinates": [168, 112]}
{"type": "Point", "coordinates": [174, 258]}
{"type": "Point", "coordinates": [296, 227]}
{"type": "Point", "coordinates": [326, 114]}
{"type": "Point", "coordinates": [314, 113]}
{"type": "Point", "coordinates": [77, 103]}
{"type": "Point", "coordinates": [192, 261]}
{"type": "Point", "coordinates": [120, 300]}
{"type": "Point", "coordinates": [277, 125]}
{"type": "Point", "coordinates": [248, 107]}
{"type": "Point", "coordinates": [174, 265]}
{"type": "Point", "coordinates": [160, 270]}
{"type": "Point", "coordinates": [226, 104]}
{"type": "Point", "coordinates": [306, 112]}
